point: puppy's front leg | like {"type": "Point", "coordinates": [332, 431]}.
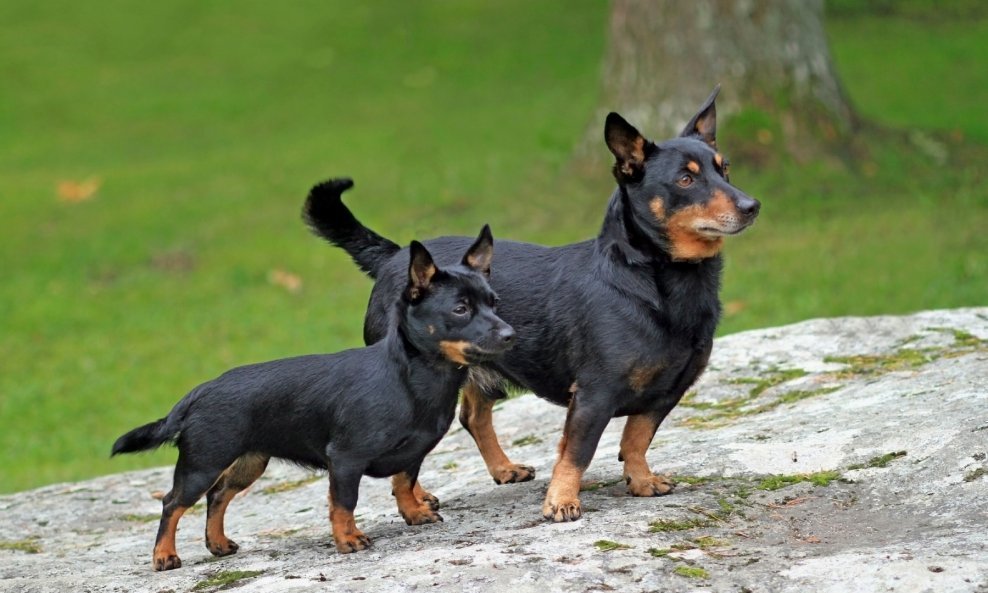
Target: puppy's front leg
{"type": "Point", "coordinates": [343, 487]}
{"type": "Point", "coordinates": [414, 511]}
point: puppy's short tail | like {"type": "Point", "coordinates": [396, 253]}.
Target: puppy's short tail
{"type": "Point", "coordinates": [329, 218]}
{"type": "Point", "coordinates": [142, 438]}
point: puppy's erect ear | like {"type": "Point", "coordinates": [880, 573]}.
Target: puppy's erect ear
{"type": "Point", "coordinates": [421, 269]}
{"type": "Point", "coordinates": [628, 147]}
{"type": "Point", "coordinates": [481, 252]}
{"type": "Point", "coordinates": [704, 123]}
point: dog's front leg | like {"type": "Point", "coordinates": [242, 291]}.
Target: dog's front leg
{"type": "Point", "coordinates": [476, 415]}
{"type": "Point", "coordinates": [414, 510]}
{"type": "Point", "coordinates": [637, 436]}
{"type": "Point", "coordinates": [343, 488]}
{"type": "Point", "coordinates": [584, 425]}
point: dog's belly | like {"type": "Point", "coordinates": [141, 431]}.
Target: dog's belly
{"type": "Point", "coordinates": [405, 455]}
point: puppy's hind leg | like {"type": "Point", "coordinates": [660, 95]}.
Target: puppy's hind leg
{"type": "Point", "coordinates": [191, 482]}
{"type": "Point", "coordinates": [241, 474]}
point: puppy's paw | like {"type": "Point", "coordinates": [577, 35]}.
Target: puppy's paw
{"type": "Point", "coordinates": [421, 516]}
{"type": "Point", "coordinates": [561, 508]}
{"type": "Point", "coordinates": [351, 542]}
{"type": "Point", "coordinates": [654, 485]}
{"type": "Point", "coordinates": [429, 500]}
{"type": "Point", "coordinates": [166, 562]}
{"type": "Point", "coordinates": [223, 547]}
{"type": "Point", "coordinates": [509, 474]}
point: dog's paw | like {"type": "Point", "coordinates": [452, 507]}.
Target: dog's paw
{"type": "Point", "coordinates": [430, 500]}
{"type": "Point", "coordinates": [351, 542]}
{"type": "Point", "coordinates": [421, 516]}
{"type": "Point", "coordinates": [509, 474]}
{"type": "Point", "coordinates": [225, 547]}
{"type": "Point", "coordinates": [166, 562]}
{"type": "Point", "coordinates": [562, 509]}
{"type": "Point", "coordinates": [654, 485]}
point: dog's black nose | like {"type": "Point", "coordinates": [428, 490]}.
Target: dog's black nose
{"type": "Point", "coordinates": [506, 335]}
{"type": "Point", "coordinates": [748, 206]}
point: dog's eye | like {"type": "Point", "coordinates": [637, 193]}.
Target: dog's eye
{"type": "Point", "coordinates": [461, 309]}
{"type": "Point", "coordinates": [685, 181]}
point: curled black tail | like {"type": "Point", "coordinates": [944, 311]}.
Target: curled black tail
{"type": "Point", "coordinates": [142, 438]}
{"type": "Point", "coordinates": [329, 218]}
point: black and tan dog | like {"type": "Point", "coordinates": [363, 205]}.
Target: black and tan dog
{"type": "Point", "coordinates": [373, 411]}
{"type": "Point", "coordinates": [620, 325]}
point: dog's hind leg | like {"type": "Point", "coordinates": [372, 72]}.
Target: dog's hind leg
{"type": "Point", "coordinates": [190, 483]}
{"type": "Point", "coordinates": [241, 474]}
{"type": "Point", "coordinates": [476, 416]}
{"type": "Point", "coordinates": [637, 436]}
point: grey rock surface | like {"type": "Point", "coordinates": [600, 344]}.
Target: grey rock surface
{"type": "Point", "coordinates": [830, 455]}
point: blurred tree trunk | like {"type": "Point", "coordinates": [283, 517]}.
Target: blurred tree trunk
{"type": "Point", "coordinates": [780, 93]}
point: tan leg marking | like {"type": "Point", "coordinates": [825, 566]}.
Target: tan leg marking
{"type": "Point", "coordinates": [476, 415]}
{"type": "Point", "coordinates": [345, 533]}
{"type": "Point", "coordinates": [413, 510]}
{"type": "Point", "coordinates": [165, 557]}
{"type": "Point", "coordinates": [637, 436]}
{"type": "Point", "coordinates": [242, 473]}
{"type": "Point", "coordinates": [425, 497]}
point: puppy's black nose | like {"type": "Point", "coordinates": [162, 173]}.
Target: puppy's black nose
{"type": "Point", "coordinates": [506, 335]}
{"type": "Point", "coordinates": [748, 206]}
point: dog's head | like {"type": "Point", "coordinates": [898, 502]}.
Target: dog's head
{"type": "Point", "coordinates": [678, 191]}
{"type": "Point", "coordinates": [451, 310]}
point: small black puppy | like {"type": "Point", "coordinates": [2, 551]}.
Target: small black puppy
{"type": "Point", "coordinates": [619, 325]}
{"type": "Point", "coordinates": [373, 411]}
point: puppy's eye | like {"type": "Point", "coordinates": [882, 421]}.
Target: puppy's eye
{"type": "Point", "coordinates": [685, 181]}
{"type": "Point", "coordinates": [461, 309]}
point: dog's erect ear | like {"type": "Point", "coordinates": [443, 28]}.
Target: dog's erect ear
{"type": "Point", "coordinates": [481, 252]}
{"type": "Point", "coordinates": [704, 123]}
{"type": "Point", "coordinates": [421, 269]}
{"type": "Point", "coordinates": [628, 147]}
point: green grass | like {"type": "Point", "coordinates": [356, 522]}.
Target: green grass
{"type": "Point", "coordinates": [205, 127]}
{"type": "Point", "coordinates": [823, 478]}
{"type": "Point", "coordinates": [226, 577]}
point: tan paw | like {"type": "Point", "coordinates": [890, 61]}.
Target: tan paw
{"type": "Point", "coordinates": [509, 474]}
{"type": "Point", "coordinates": [561, 509]}
{"type": "Point", "coordinates": [421, 515]}
{"type": "Point", "coordinates": [223, 547]}
{"type": "Point", "coordinates": [166, 562]}
{"type": "Point", "coordinates": [351, 542]}
{"type": "Point", "coordinates": [654, 485]}
{"type": "Point", "coordinates": [431, 501]}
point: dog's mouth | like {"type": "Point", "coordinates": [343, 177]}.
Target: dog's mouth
{"type": "Point", "coordinates": [728, 229]}
{"type": "Point", "coordinates": [477, 354]}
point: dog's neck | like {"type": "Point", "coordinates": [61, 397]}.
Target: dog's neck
{"type": "Point", "coordinates": [626, 245]}
{"type": "Point", "coordinates": [621, 237]}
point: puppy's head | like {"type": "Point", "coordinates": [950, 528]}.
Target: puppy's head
{"type": "Point", "coordinates": [451, 310]}
{"type": "Point", "coordinates": [679, 191]}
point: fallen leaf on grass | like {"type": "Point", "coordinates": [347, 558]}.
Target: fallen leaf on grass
{"type": "Point", "coordinates": [78, 191]}
{"type": "Point", "coordinates": [290, 282]}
